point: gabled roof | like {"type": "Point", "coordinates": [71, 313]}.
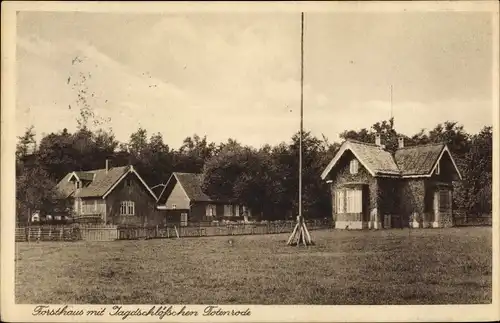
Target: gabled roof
{"type": "Point", "coordinates": [418, 160]}
{"type": "Point", "coordinates": [422, 160]}
{"type": "Point", "coordinates": [192, 184]}
{"type": "Point", "coordinates": [102, 182]}
{"type": "Point", "coordinates": [376, 160]}
{"type": "Point", "coordinates": [414, 161]}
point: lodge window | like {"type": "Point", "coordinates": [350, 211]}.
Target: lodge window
{"type": "Point", "coordinates": [236, 210]}
{"type": "Point", "coordinates": [184, 219]}
{"type": "Point", "coordinates": [128, 182]}
{"type": "Point", "coordinates": [348, 201]}
{"type": "Point", "coordinates": [127, 208]}
{"type": "Point", "coordinates": [174, 206]}
{"type": "Point", "coordinates": [228, 210]}
{"type": "Point", "coordinates": [353, 166]}
{"type": "Point", "coordinates": [339, 201]}
{"type": "Point", "coordinates": [210, 210]}
{"type": "Point", "coordinates": [88, 206]}
{"type": "Point", "coordinates": [353, 198]}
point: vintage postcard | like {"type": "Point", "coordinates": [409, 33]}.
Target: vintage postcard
{"type": "Point", "coordinates": [250, 162]}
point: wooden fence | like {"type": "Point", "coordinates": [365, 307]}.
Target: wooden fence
{"type": "Point", "coordinates": [46, 233]}
{"type": "Point", "coordinates": [205, 230]}
{"type": "Point", "coordinates": [67, 233]}
{"type": "Point", "coordinates": [99, 232]}
{"type": "Point", "coordinates": [95, 232]}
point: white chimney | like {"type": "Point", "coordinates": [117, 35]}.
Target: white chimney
{"type": "Point", "coordinates": [107, 165]}
{"type": "Point", "coordinates": [401, 142]}
{"type": "Point", "coordinates": [378, 140]}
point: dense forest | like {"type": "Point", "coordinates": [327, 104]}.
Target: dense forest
{"type": "Point", "coordinates": [265, 179]}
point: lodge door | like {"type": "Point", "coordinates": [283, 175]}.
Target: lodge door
{"type": "Point", "coordinates": [442, 204]}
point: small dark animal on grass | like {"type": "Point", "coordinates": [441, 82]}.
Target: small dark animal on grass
{"type": "Point", "coordinates": [347, 227]}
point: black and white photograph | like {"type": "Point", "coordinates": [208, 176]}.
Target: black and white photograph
{"type": "Point", "coordinates": [198, 161]}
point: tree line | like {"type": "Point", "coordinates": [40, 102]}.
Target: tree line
{"type": "Point", "coordinates": [265, 179]}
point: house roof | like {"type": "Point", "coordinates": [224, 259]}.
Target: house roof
{"type": "Point", "coordinates": [102, 182]}
{"type": "Point", "coordinates": [192, 184]}
{"type": "Point", "coordinates": [418, 160]}
{"type": "Point", "coordinates": [374, 158]}
{"type": "Point", "coordinates": [414, 161]}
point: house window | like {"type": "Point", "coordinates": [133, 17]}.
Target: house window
{"type": "Point", "coordinates": [353, 166]}
{"type": "Point", "coordinates": [236, 210]}
{"type": "Point", "coordinates": [438, 170]}
{"type": "Point", "coordinates": [348, 201]}
{"type": "Point", "coordinates": [174, 206]}
{"type": "Point", "coordinates": [353, 201]}
{"type": "Point", "coordinates": [339, 201]}
{"type": "Point", "coordinates": [88, 207]}
{"type": "Point", "coordinates": [184, 219]}
{"type": "Point", "coordinates": [228, 210]}
{"type": "Point", "coordinates": [210, 210]}
{"type": "Point", "coordinates": [128, 182]}
{"type": "Point", "coordinates": [78, 184]}
{"type": "Point", "coordinates": [127, 208]}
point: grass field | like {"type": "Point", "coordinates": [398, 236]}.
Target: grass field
{"type": "Point", "coordinates": [426, 266]}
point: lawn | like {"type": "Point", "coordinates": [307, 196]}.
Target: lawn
{"type": "Point", "coordinates": [421, 266]}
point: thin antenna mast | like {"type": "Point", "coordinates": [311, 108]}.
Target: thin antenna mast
{"type": "Point", "coordinates": [300, 233]}
{"type": "Point", "coordinates": [391, 103]}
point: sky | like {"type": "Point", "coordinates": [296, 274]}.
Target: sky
{"type": "Point", "coordinates": [237, 75]}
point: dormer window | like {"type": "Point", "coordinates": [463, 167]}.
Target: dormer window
{"type": "Point", "coordinates": [353, 167]}
{"type": "Point", "coordinates": [78, 184]}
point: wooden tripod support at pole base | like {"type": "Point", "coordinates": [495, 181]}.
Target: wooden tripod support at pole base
{"type": "Point", "coordinates": [300, 235]}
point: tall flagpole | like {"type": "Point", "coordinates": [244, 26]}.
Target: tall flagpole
{"type": "Point", "coordinates": [301, 110]}
{"type": "Point", "coordinates": [300, 233]}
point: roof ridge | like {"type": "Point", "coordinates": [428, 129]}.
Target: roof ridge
{"type": "Point", "coordinates": [424, 145]}
{"type": "Point", "coordinates": [363, 143]}
{"type": "Point", "coordinates": [98, 169]}
{"type": "Point", "coordinates": [186, 173]}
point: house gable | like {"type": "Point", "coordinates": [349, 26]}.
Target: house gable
{"type": "Point", "coordinates": [131, 170]}
{"type": "Point", "coordinates": [445, 169]}
{"type": "Point", "coordinates": [130, 190]}
{"type": "Point", "coordinates": [345, 148]}
{"type": "Point", "coordinates": [374, 159]}
{"type": "Point", "coordinates": [341, 173]}
{"type": "Point", "coordinates": [174, 194]}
